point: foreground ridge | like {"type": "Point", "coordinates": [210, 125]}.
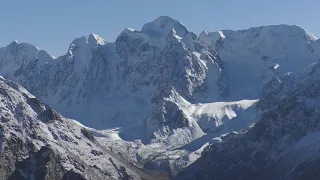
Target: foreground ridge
{"type": "Point", "coordinates": [37, 142]}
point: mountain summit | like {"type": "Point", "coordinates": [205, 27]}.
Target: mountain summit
{"type": "Point", "coordinates": [164, 25]}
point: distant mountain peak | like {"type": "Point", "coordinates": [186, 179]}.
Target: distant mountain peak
{"type": "Point", "coordinates": [162, 26]}
{"type": "Point", "coordinates": [22, 44]}
{"type": "Point", "coordinates": [15, 42]}
{"type": "Point", "coordinates": [209, 38]}
{"type": "Point", "coordinates": [267, 32]}
{"type": "Point", "coordinates": [311, 36]}
{"type": "Point", "coordinates": [92, 40]}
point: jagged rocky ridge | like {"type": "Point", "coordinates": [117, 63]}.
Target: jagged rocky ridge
{"type": "Point", "coordinates": [39, 143]}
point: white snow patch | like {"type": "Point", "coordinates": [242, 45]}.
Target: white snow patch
{"type": "Point", "coordinates": [276, 66]}
{"type": "Point", "coordinates": [213, 115]}
{"type": "Point", "coordinates": [131, 29]}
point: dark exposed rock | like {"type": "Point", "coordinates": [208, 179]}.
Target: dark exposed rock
{"type": "Point", "coordinates": [71, 175]}
{"type": "Point", "coordinates": [121, 171]}
{"type": "Point", "coordinates": [96, 153]}
{"type": "Point", "coordinates": [88, 134]}
{"type": "Point", "coordinates": [307, 170]}
{"type": "Point", "coordinates": [11, 153]}
{"type": "Point", "coordinates": [16, 175]}
{"type": "Point", "coordinates": [45, 113]}
{"type": "Point", "coordinates": [43, 165]}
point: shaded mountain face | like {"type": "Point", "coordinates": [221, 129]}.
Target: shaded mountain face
{"type": "Point", "coordinates": [39, 143]}
{"type": "Point", "coordinates": [284, 144]}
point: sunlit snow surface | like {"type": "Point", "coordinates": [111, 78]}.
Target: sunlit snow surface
{"type": "Point", "coordinates": [219, 117]}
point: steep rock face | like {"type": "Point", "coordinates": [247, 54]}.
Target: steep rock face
{"type": "Point", "coordinates": [42, 165]}
{"type": "Point", "coordinates": [39, 143]}
{"type": "Point", "coordinates": [282, 145]}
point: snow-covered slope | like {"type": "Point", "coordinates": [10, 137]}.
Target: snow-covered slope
{"type": "Point", "coordinates": [253, 56]}
{"type": "Point", "coordinates": [220, 118]}
{"type": "Point", "coordinates": [39, 143]}
{"type": "Point", "coordinates": [284, 144]}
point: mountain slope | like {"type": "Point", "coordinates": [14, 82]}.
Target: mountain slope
{"type": "Point", "coordinates": [37, 142]}
{"type": "Point", "coordinates": [282, 145]}
{"type": "Point", "coordinates": [253, 56]}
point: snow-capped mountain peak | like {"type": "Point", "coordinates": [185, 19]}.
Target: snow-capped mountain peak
{"type": "Point", "coordinates": [91, 41]}
{"type": "Point", "coordinates": [29, 51]}
{"type": "Point", "coordinates": [311, 36]}
{"type": "Point", "coordinates": [45, 55]}
{"type": "Point", "coordinates": [18, 55]}
{"type": "Point", "coordinates": [162, 26]}
{"type": "Point", "coordinates": [81, 49]}
{"type": "Point", "coordinates": [14, 43]}
{"type": "Point", "coordinates": [22, 45]}
{"type": "Point", "coordinates": [210, 38]}
{"type": "Point", "coordinates": [94, 38]}
{"type": "Point", "coordinates": [271, 31]}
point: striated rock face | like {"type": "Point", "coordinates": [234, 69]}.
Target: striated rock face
{"type": "Point", "coordinates": [284, 144]}
{"type": "Point", "coordinates": [38, 143]}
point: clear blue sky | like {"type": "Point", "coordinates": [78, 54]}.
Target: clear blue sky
{"type": "Point", "coordinates": [53, 24]}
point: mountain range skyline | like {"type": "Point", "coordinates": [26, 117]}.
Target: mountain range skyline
{"type": "Point", "coordinates": [202, 32]}
{"type": "Point", "coordinates": [59, 22]}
